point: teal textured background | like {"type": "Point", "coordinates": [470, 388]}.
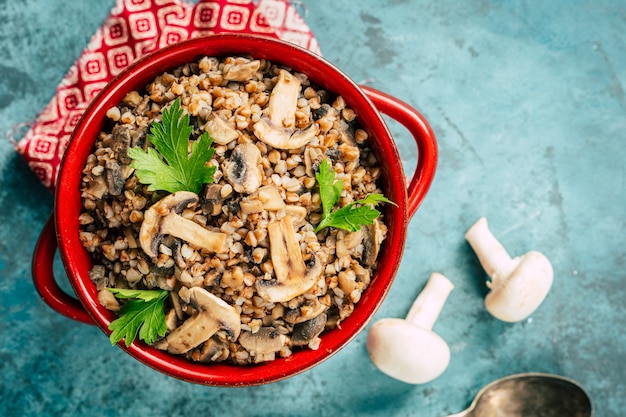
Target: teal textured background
{"type": "Point", "coordinates": [527, 101]}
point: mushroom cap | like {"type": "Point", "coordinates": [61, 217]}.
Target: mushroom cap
{"type": "Point", "coordinates": [277, 128]}
{"type": "Point", "coordinates": [265, 340]}
{"type": "Point", "coordinates": [219, 129]}
{"type": "Point", "coordinates": [308, 330]}
{"type": "Point", "coordinates": [517, 296]}
{"type": "Point", "coordinates": [407, 352]}
{"type": "Point", "coordinates": [296, 315]}
{"type": "Point", "coordinates": [281, 137]}
{"type": "Point", "coordinates": [244, 170]}
{"type": "Point", "coordinates": [371, 243]}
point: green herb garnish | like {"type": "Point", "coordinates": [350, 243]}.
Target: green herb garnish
{"type": "Point", "coordinates": [170, 167]}
{"type": "Point", "coordinates": [351, 216]}
{"type": "Point", "coordinates": [143, 314]}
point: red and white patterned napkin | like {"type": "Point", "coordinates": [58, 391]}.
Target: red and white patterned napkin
{"type": "Point", "coordinates": [133, 29]}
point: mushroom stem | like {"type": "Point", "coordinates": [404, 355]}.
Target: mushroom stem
{"type": "Point", "coordinates": [192, 232]}
{"type": "Point", "coordinates": [284, 100]}
{"type": "Point", "coordinates": [211, 314]}
{"type": "Point", "coordinates": [293, 276]}
{"type": "Point", "coordinates": [163, 218]}
{"type": "Point", "coordinates": [429, 303]}
{"type": "Point", "coordinates": [493, 257]}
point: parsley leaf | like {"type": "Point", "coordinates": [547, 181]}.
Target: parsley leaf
{"type": "Point", "coordinates": [330, 190]}
{"type": "Point", "coordinates": [143, 314]}
{"type": "Point", "coordinates": [353, 215]}
{"type": "Point", "coordinates": [170, 167]}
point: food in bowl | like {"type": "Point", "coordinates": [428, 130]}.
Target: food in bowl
{"type": "Point", "coordinates": [276, 243]}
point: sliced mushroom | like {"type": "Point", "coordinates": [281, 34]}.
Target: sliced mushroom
{"type": "Point", "coordinates": [175, 299]}
{"type": "Point", "coordinates": [265, 340]}
{"type": "Point", "coordinates": [347, 282]}
{"type": "Point", "coordinates": [219, 129]}
{"type": "Point", "coordinates": [271, 199]}
{"type": "Point", "coordinates": [306, 331]}
{"type": "Point", "coordinates": [177, 255]}
{"type": "Point", "coordinates": [212, 199]}
{"type": "Point", "coordinates": [241, 70]}
{"type": "Point", "coordinates": [313, 156]}
{"type": "Point", "coordinates": [115, 177]}
{"type": "Point", "coordinates": [362, 274]}
{"type": "Point", "coordinates": [212, 314]}
{"type": "Point", "coordinates": [213, 350]}
{"type": "Point", "coordinates": [297, 213]}
{"type": "Point", "coordinates": [171, 320]}
{"type": "Point", "coordinates": [244, 170]}
{"type": "Point", "coordinates": [251, 205]}
{"type": "Point", "coordinates": [305, 312]}
{"type": "Point", "coordinates": [346, 134]}
{"type": "Point", "coordinates": [284, 100]}
{"type": "Point", "coordinates": [333, 317]}
{"type": "Point", "coordinates": [347, 245]}
{"type": "Point", "coordinates": [163, 218]}
{"type": "Point", "coordinates": [97, 187]}
{"type": "Point", "coordinates": [120, 142]}
{"type": "Point", "coordinates": [277, 129]}
{"type": "Point", "coordinates": [293, 278]}
{"type": "Point", "coordinates": [371, 243]}
{"type": "Point", "coordinates": [283, 138]}
{"type": "Point", "coordinates": [108, 300]}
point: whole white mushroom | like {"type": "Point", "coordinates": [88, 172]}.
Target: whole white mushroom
{"type": "Point", "coordinates": [518, 285]}
{"type": "Point", "coordinates": [407, 349]}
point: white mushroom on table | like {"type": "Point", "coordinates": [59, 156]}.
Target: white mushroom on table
{"type": "Point", "coordinates": [408, 349]}
{"type": "Point", "coordinates": [518, 285]}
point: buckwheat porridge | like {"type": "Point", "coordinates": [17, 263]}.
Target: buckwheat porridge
{"type": "Point", "coordinates": [246, 276]}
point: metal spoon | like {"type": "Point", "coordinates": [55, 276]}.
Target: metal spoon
{"type": "Point", "coordinates": [530, 395]}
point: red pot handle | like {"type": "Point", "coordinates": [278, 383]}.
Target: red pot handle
{"type": "Point", "coordinates": [45, 283]}
{"type": "Point", "coordinates": [424, 137]}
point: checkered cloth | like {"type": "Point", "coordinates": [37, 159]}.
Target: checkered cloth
{"type": "Point", "coordinates": [133, 29]}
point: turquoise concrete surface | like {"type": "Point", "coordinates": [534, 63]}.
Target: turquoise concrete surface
{"type": "Point", "coordinates": [527, 100]}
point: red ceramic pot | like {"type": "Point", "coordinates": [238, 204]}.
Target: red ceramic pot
{"type": "Point", "coordinates": [63, 228]}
